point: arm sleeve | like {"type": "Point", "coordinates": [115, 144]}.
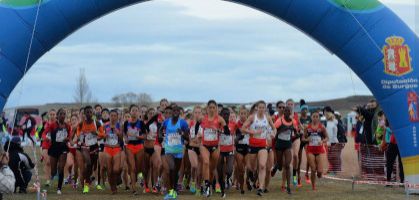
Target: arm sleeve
{"type": "Point", "coordinates": [7, 180]}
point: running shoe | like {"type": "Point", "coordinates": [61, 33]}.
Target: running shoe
{"type": "Point", "coordinates": [207, 192]}
{"type": "Point", "coordinates": [155, 191]}
{"type": "Point", "coordinates": [288, 190]}
{"type": "Point", "coordinates": [86, 189]}
{"type": "Point", "coordinates": [223, 195]}
{"type": "Point", "coordinates": [294, 180]}
{"type": "Point", "coordinates": [74, 185]}
{"type": "Point", "coordinates": [146, 190]}
{"type": "Point", "coordinates": [185, 182]}
{"type": "Point", "coordinates": [217, 188]}
{"type": "Point", "coordinates": [283, 189]}
{"type": "Point", "coordinates": [59, 192]}
{"type": "Point", "coordinates": [273, 170]}
{"type": "Point", "coordinates": [140, 179]}
{"type": "Point", "coordinates": [308, 181]}
{"type": "Point", "coordinates": [259, 192]}
{"type": "Point", "coordinates": [198, 192]}
{"type": "Point", "coordinates": [47, 183]}
{"type": "Point", "coordinates": [179, 187]}
{"type": "Point", "coordinates": [171, 195]}
{"type": "Point", "coordinates": [99, 187]}
{"type": "Point", "coordinates": [193, 188]}
{"type": "Point", "coordinates": [249, 186]}
{"type": "Point", "coordinates": [299, 183]}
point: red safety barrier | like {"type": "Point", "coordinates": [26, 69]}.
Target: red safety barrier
{"type": "Point", "coordinates": [334, 152]}
{"type": "Point", "coordinates": [373, 164]}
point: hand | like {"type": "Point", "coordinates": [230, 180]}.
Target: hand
{"type": "Point", "coordinates": [5, 159]}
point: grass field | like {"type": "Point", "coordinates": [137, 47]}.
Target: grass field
{"type": "Point", "coordinates": [327, 189]}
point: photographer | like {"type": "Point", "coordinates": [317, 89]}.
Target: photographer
{"type": "Point", "coordinates": [20, 164]}
{"type": "Point", "coordinates": [370, 114]}
{"type": "Point", "coordinates": [7, 178]}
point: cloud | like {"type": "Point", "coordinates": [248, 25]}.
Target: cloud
{"type": "Point", "coordinates": [216, 10]}
{"type": "Point", "coordinates": [172, 50]}
{"type": "Point", "coordinates": [401, 2]}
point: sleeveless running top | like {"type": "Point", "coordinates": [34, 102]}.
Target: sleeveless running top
{"type": "Point", "coordinates": [112, 139]}
{"type": "Point", "coordinates": [173, 141]}
{"type": "Point", "coordinates": [259, 140]}
{"type": "Point", "coordinates": [227, 141]}
{"type": "Point", "coordinates": [210, 136]}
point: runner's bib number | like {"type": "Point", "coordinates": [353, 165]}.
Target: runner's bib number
{"type": "Point", "coordinates": [133, 134]}
{"type": "Point", "coordinates": [153, 132]}
{"type": "Point", "coordinates": [210, 134]}
{"type": "Point", "coordinates": [263, 135]}
{"type": "Point", "coordinates": [90, 139]}
{"type": "Point", "coordinates": [315, 140]}
{"type": "Point", "coordinates": [112, 139]}
{"type": "Point", "coordinates": [226, 140]}
{"type": "Point", "coordinates": [174, 139]}
{"type": "Point", "coordinates": [245, 140]}
{"type": "Point", "coordinates": [61, 135]}
{"type": "Point", "coordinates": [286, 135]}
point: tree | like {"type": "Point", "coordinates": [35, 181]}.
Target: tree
{"type": "Point", "coordinates": [144, 99]}
{"type": "Point", "coordinates": [126, 99]}
{"type": "Point", "coordinates": [82, 93]}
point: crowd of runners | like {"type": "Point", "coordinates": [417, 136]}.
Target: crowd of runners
{"type": "Point", "coordinates": [205, 151]}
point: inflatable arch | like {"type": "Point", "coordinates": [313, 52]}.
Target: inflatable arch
{"type": "Point", "coordinates": [365, 34]}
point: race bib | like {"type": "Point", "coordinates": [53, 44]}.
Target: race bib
{"type": "Point", "coordinates": [315, 140]}
{"type": "Point", "coordinates": [61, 135]}
{"type": "Point", "coordinates": [263, 135]}
{"type": "Point", "coordinates": [226, 140]}
{"type": "Point", "coordinates": [153, 132]}
{"type": "Point", "coordinates": [245, 140]}
{"type": "Point", "coordinates": [174, 139]}
{"type": "Point", "coordinates": [210, 135]}
{"type": "Point", "coordinates": [286, 135]}
{"type": "Point", "coordinates": [192, 133]}
{"type": "Point", "coordinates": [90, 139]}
{"type": "Point", "coordinates": [133, 134]}
{"type": "Point", "coordinates": [112, 139]}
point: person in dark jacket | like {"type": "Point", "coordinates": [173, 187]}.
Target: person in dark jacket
{"type": "Point", "coordinates": [20, 164]}
{"type": "Point", "coordinates": [29, 127]}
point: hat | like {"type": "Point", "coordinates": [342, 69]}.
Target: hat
{"type": "Point", "coordinates": [337, 113]}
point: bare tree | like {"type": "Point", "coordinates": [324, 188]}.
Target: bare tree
{"type": "Point", "coordinates": [82, 93]}
{"type": "Point", "coordinates": [129, 98]}
{"type": "Point", "coordinates": [144, 99]}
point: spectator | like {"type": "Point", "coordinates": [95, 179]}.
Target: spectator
{"type": "Point", "coordinates": [7, 178]}
{"type": "Point", "coordinates": [28, 127]}
{"type": "Point", "coordinates": [370, 114]}
{"type": "Point", "coordinates": [20, 164]}
{"type": "Point", "coordinates": [389, 145]}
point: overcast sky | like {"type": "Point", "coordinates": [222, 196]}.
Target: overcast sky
{"type": "Point", "coordinates": [185, 51]}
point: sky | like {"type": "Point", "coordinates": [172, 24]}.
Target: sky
{"type": "Point", "coordinates": [194, 50]}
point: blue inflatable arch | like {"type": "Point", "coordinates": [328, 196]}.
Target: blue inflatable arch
{"type": "Point", "coordinates": [365, 34]}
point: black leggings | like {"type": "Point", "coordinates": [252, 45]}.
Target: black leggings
{"type": "Point", "coordinates": [174, 168]}
{"type": "Point", "coordinates": [58, 164]}
{"type": "Point", "coordinates": [392, 153]}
